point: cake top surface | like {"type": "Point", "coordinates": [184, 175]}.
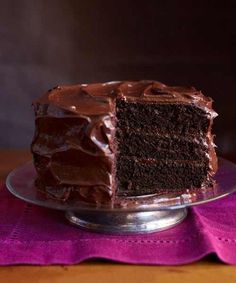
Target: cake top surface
{"type": "Point", "coordinates": [97, 98]}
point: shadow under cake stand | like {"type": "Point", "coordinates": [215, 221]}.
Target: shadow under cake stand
{"type": "Point", "coordinates": [149, 214]}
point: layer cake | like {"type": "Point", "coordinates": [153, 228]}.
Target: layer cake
{"type": "Point", "coordinates": [99, 142]}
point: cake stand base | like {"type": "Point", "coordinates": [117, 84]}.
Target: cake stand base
{"type": "Point", "coordinates": [127, 222]}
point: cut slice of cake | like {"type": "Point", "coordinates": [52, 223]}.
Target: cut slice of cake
{"type": "Point", "coordinates": [118, 139]}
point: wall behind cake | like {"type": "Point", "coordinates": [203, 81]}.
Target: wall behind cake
{"type": "Point", "coordinates": [46, 43]}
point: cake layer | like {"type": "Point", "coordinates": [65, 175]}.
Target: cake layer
{"type": "Point", "coordinates": [60, 134]}
{"type": "Point", "coordinates": [134, 174]}
{"type": "Point", "coordinates": [64, 193]}
{"type": "Point", "coordinates": [57, 134]}
{"type": "Point", "coordinates": [74, 168]}
{"type": "Point", "coordinates": [171, 118]}
{"type": "Point", "coordinates": [152, 145]}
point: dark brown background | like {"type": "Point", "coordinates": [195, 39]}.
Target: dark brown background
{"type": "Point", "coordinates": [45, 43]}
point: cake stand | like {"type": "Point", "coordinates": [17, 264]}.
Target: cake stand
{"type": "Point", "coordinates": [142, 215]}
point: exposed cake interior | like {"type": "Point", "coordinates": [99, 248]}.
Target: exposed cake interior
{"type": "Point", "coordinates": [161, 147]}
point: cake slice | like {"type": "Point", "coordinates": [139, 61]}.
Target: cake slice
{"type": "Point", "coordinates": [99, 142]}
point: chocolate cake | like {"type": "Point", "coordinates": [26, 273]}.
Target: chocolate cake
{"type": "Point", "coordinates": [99, 142]}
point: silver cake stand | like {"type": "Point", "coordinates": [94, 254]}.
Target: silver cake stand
{"type": "Point", "coordinates": [146, 214]}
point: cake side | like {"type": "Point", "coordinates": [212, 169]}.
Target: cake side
{"type": "Point", "coordinates": [72, 144]}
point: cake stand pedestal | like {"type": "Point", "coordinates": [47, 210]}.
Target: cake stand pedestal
{"type": "Point", "coordinates": [127, 222]}
{"type": "Point", "coordinates": [157, 214]}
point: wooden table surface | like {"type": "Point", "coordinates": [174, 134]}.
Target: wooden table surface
{"type": "Point", "coordinates": [207, 270]}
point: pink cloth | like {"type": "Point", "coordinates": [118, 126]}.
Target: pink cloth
{"type": "Point", "coordinates": [35, 235]}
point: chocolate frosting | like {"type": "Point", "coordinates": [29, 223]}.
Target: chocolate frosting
{"type": "Point", "coordinates": [83, 140]}
{"type": "Point", "coordinates": [97, 99]}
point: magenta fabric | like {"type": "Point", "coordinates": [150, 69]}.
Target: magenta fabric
{"type": "Point", "coordinates": [33, 235]}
